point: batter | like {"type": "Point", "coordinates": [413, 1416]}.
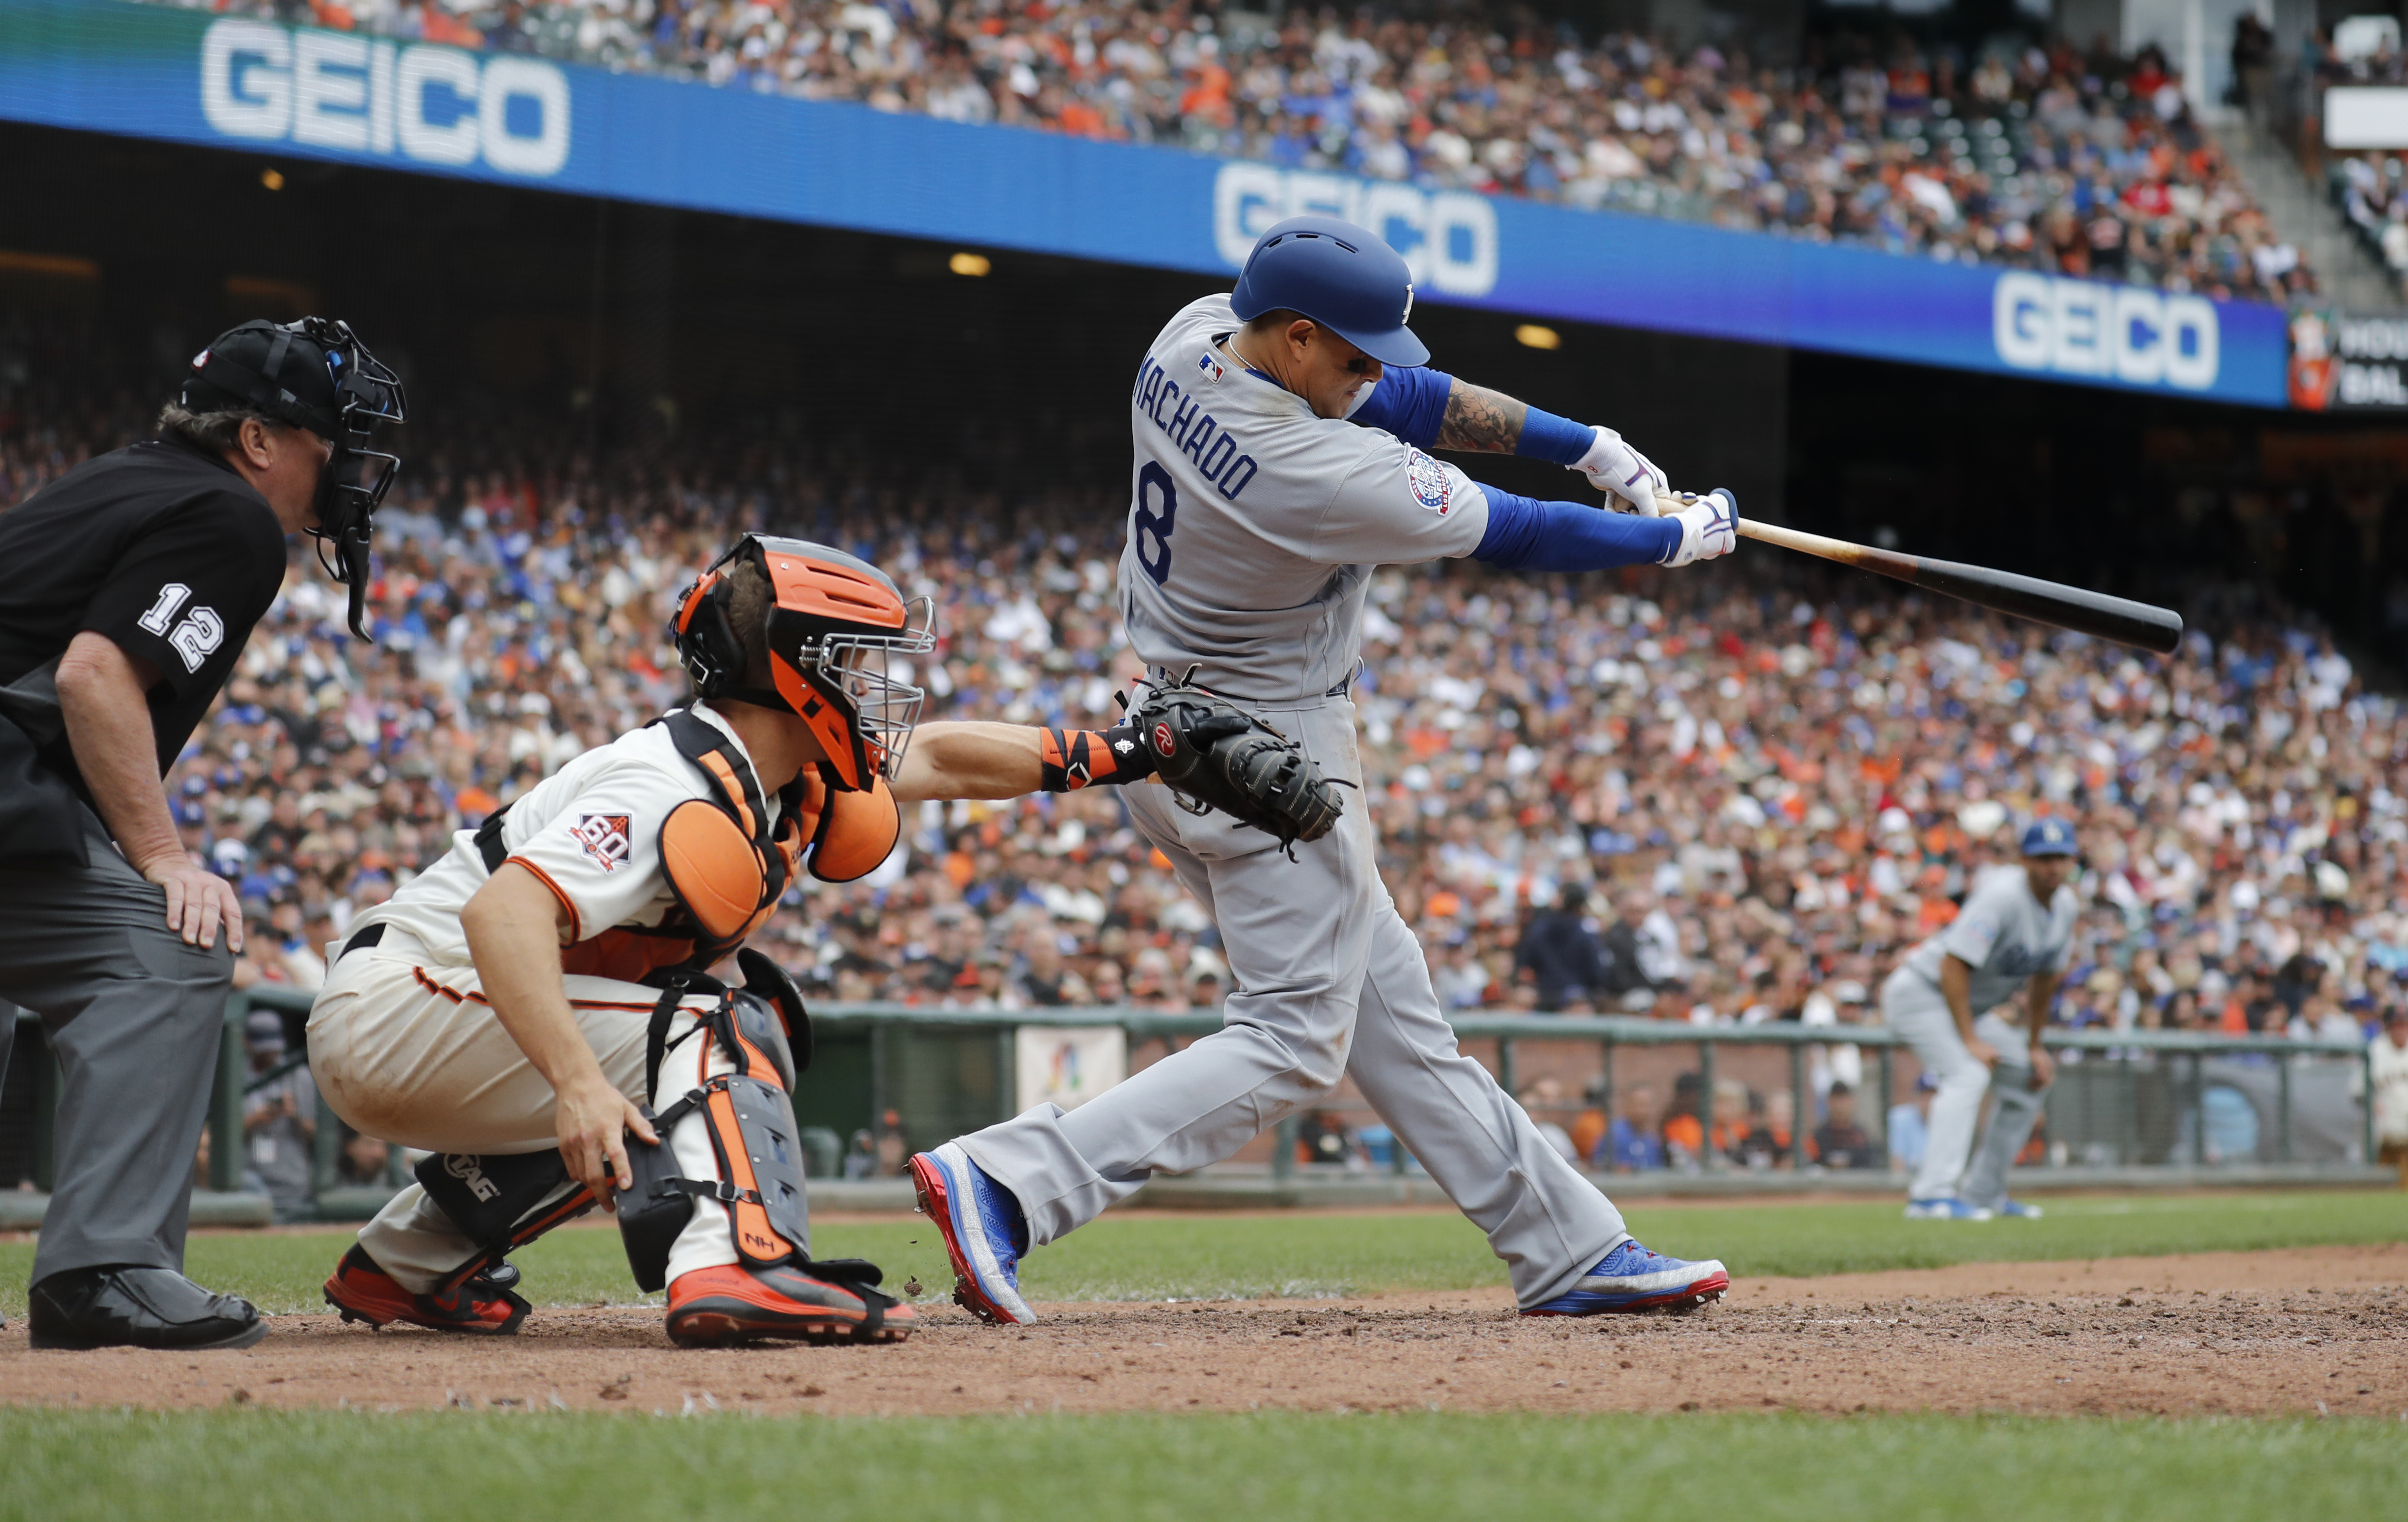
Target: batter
{"type": "Point", "coordinates": [1280, 434]}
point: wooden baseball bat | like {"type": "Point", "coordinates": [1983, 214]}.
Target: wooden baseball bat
{"type": "Point", "coordinates": [2051, 603]}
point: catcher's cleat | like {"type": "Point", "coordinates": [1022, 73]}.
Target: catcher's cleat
{"type": "Point", "coordinates": [716, 1307]}
{"type": "Point", "coordinates": [482, 1304]}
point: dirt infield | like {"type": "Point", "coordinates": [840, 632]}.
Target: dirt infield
{"type": "Point", "coordinates": [2313, 1330]}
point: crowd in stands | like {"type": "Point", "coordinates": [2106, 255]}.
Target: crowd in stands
{"type": "Point", "coordinates": [1712, 797]}
{"type": "Point", "coordinates": [2044, 158]}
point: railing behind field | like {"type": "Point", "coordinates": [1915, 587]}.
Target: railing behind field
{"type": "Point", "coordinates": [923, 1073]}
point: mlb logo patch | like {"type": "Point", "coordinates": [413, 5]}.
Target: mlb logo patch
{"type": "Point", "coordinates": [1211, 366]}
{"type": "Point", "coordinates": [1427, 480]}
{"type": "Point", "coordinates": [604, 838]}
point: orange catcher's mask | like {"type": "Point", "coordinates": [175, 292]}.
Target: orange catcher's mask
{"type": "Point", "coordinates": [835, 623]}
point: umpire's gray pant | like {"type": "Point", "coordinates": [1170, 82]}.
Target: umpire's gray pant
{"type": "Point", "coordinates": [133, 1016]}
{"type": "Point", "coordinates": [1329, 983]}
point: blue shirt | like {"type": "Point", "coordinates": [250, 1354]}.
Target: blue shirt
{"type": "Point", "coordinates": [1628, 1149]}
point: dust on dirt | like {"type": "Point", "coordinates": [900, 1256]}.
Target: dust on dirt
{"type": "Point", "coordinates": [2308, 1330]}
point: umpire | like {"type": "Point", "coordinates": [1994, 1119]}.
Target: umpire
{"type": "Point", "coordinates": [127, 589]}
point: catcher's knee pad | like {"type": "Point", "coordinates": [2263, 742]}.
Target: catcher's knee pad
{"type": "Point", "coordinates": [751, 1122]}
{"type": "Point", "coordinates": [502, 1201]}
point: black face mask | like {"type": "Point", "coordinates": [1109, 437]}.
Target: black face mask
{"type": "Point", "coordinates": [357, 477]}
{"type": "Point", "coordinates": [349, 487]}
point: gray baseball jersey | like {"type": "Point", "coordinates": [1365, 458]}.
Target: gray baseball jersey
{"type": "Point", "coordinates": [1253, 523]}
{"type": "Point", "coordinates": [1253, 527]}
{"type": "Point", "coordinates": [2003, 934]}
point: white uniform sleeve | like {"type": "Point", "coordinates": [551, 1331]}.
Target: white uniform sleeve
{"type": "Point", "coordinates": [1400, 506]}
{"type": "Point", "coordinates": [600, 855]}
{"type": "Point", "coordinates": [1972, 935]}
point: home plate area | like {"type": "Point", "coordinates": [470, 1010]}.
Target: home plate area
{"type": "Point", "coordinates": [2303, 1332]}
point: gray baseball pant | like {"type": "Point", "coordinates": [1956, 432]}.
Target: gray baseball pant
{"type": "Point", "coordinates": [1955, 1164]}
{"type": "Point", "coordinates": [1329, 983]}
{"type": "Point", "coordinates": [133, 1016]}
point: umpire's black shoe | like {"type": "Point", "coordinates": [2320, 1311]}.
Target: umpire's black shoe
{"type": "Point", "coordinates": [138, 1307]}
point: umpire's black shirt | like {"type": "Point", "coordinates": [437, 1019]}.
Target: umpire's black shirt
{"type": "Point", "coordinates": [160, 546]}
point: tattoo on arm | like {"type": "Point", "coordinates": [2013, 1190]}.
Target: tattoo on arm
{"type": "Point", "coordinates": [1479, 419]}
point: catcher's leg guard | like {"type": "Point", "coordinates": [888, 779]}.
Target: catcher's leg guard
{"type": "Point", "coordinates": [773, 1289]}
{"type": "Point", "coordinates": [502, 1201]}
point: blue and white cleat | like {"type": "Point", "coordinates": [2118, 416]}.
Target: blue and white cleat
{"type": "Point", "coordinates": [1631, 1278]}
{"type": "Point", "coordinates": [985, 1234]}
{"type": "Point", "coordinates": [2016, 1210]}
{"type": "Point", "coordinates": [1944, 1210]}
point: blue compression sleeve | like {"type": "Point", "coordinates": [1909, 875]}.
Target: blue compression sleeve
{"type": "Point", "coordinates": [1546, 436]}
{"type": "Point", "coordinates": [1409, 403]}
{"type": "Point", "coordinates": [1528, 535]}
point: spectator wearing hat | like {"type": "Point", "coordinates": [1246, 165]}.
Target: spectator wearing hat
{"type": "Point", "coordinates": [1560, 954]}
{"type": "Point", "coordinates": [279, 1119]}
{"type": "Point", "coordinates": [1838, 1142]}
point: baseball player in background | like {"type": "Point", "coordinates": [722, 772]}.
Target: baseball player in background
{"type": "Point", "coordinates": [1279, 434]}
{"type": "Point", "coordinates": [521, 1007]}
{"type": "Point", "coordinates": [2015, 931]}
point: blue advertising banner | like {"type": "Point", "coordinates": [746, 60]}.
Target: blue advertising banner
{"type": "Point", "coordinates": [190, 77]}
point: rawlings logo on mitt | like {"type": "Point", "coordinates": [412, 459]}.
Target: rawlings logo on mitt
{"type": "Point", "coordinates": [1216, 755]}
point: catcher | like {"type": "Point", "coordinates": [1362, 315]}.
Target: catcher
{"type": "Point", "coordinates": [538, 1008]}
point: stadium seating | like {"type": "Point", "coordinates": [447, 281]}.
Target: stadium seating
{"type": "Point", "coordinates": [1776, 792]}
{"type": "Point", "coordinates": [2041, 159]}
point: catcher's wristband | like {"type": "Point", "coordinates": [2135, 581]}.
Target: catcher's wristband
{"type": "Point", "coordinates": [1074, 759]}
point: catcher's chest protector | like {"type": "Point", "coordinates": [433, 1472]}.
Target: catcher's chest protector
{"type": "Point", "coordinates": [725, 864]}
{"type": "Point", "coordinates": [728, 867]}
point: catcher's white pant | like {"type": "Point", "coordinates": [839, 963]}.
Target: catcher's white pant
{"type": "Point", "coordinates": [1914, 1007]}
{"type": "Point", "coordinates": [412, 1053]}
{"type": "Point", "coordinates": [1329, 983]}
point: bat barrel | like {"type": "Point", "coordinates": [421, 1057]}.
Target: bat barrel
{"type": "Point", "coordinates": [2077, 608]}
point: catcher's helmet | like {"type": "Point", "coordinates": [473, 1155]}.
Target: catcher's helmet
{"type": "Point", "coordinates": [314, 373]}
{"type": "Point", "coordinates": [1341, 276]}
{"type": "Point", "coordinates": [833, 623]}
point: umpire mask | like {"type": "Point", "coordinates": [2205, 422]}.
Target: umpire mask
{"type": "Point", "coordinates": [315, 374]}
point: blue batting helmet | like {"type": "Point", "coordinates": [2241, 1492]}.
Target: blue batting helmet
{"type": "Point", "coordinates": [1342, 277]}
{"type": "Point", "coordinates": [2048, 837]}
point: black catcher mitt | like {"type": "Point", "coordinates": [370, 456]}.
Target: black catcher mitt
{"type": "Point", "coordinates": [1216, 755]}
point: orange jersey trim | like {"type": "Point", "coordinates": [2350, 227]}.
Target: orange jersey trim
{"type": "Point", "coordinates": [576, 921]}
{"type": "Point", "coordinates": [477, 996]}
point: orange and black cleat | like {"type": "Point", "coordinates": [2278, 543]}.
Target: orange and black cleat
{"type": "Point", "coordinates": [481, 1303]}
{"type": "Point", "coordinates": [714, 1307]}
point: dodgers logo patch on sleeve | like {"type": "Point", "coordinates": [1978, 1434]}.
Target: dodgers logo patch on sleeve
{"type": "Point", "coordinates": [1427, 480]}
{"type": "Point", "coordinates": [604, 836]}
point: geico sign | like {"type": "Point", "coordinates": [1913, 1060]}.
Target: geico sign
{"type": "Point", "coordinates": [434, 105]}
{"type": "Point", "coordinates": [2111, 333]}
{"type": "Point", "coordinates": [1448, 238]}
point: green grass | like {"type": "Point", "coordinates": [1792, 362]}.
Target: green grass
{"type": "Point", "coordinates": [1212, 1255]}
{"type": "Point", "coordinates": [1331, 1468]}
